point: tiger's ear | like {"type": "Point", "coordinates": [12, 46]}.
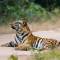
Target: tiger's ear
{"type": "Point", "coordinates": [24, 23]}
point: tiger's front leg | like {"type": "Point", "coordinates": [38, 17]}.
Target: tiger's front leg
{"type": "Point", "coordinates": [23, 47]}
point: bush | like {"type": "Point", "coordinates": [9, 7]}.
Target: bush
{"type": "Point", "coordinates": [11, 10]}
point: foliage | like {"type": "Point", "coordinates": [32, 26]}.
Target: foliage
{"type": "Point", "coordinates": [31, 10]}
{"type": "Point", "coordinates": [12, 10]}
{"type": "Point", "coordinates": [48, 4]}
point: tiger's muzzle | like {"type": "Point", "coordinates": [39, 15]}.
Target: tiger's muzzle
{"type": "Point", "coordinates": [12, 27]}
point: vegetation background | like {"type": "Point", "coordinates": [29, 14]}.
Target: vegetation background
{"type": "Point", "coordinates": [30, 10]}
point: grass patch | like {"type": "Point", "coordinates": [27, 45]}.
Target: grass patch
{"type": "Point", "coordinates": [13, 57]}
{"type": "Point", "coordinates": [51, 55]}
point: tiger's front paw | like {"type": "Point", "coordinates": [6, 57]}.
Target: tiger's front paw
{"type": "Point", "coordinates": [21, 48]}
{"type": "Point", "coordinates": [16, 48]}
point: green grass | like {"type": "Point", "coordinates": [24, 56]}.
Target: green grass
{"type": "Point", "coordinates": [13, 57]}
{"type": "Point", "coordinates": [51, 55]}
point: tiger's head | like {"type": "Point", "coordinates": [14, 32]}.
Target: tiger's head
{"type": "Point", "coordinates": [20, 26]}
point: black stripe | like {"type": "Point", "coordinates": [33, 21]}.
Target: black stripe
{"type": "Point", "coordinates": [41, 42]}
{"type": "Point", "coordinates": [11, 44]}
{"type": "Point", "coordinates": [22, 33]}
{"type": "Point", "coordinates": [19, 38]}
{"type": "Point", "coordinates": [37, 43]}
{"type": "Point", "coordinates": [24, 36]}
{"type": "Point", "coordinates": [16, 41]}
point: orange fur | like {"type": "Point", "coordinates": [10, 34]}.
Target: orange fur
{"type": "Point", "coordinates": [49, 43]}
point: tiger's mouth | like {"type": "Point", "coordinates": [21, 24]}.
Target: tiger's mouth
{"type": "Point", "coordinates": [12, 27]}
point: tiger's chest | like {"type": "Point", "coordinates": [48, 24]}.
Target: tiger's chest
{"type": "Point", "coordinates": [20, 38]}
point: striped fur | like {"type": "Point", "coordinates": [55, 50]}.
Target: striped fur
{"type": "Point", "coordinates": [25, 40]}
{"type": "Point", "coordinates": [20, 37]}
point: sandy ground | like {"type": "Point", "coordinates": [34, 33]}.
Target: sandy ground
{"type": "Point", "coordinates": [22, 55]}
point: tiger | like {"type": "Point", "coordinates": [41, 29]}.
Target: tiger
{"type": "Point", "coordinates": [25, 40]}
